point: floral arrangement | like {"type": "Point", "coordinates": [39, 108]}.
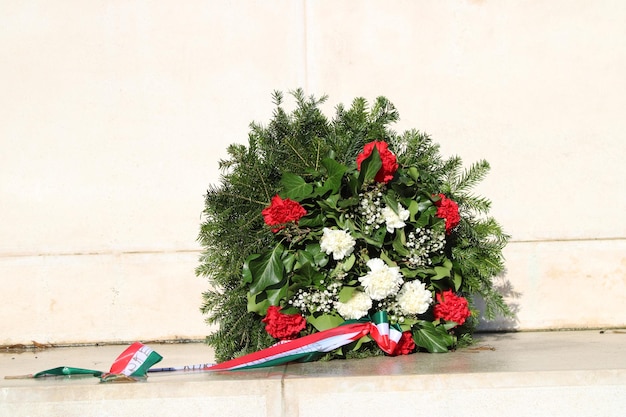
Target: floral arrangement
{"type": "Point", "coordinates": [355, 221]}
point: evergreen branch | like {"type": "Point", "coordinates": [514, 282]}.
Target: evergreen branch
{"type": "Point", "coordinates": [241, 197]}
{"type": "Point", "coordinates": [471, 176]}
{"type": "Point", "coordinates": [267, 193]}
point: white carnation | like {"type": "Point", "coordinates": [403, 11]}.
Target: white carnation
{"type": "Point", "coordinates": [414, 298]}
{"type": "Point", "coordinates": [382, 280]}
{"type": "Point", "coordinates": [356, 307]}
{"type": "Point", "coordinates": [337, 242]}
{"type": "Point", "coordinates": [395, 220]}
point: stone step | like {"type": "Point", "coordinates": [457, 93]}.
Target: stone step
{"type": "Point", "coordinates": [564, 373]}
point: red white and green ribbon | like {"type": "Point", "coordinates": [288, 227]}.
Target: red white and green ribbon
{"type": "Point", "coordinates": [308, 347]}
{"type": "Point", "coordinates": [135, 361]}
{"type": "Point", "coordinates": [385, 334]}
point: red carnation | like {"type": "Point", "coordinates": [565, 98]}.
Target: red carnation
{"type": "Point", "coordinates": [451, 307]}
{"type": "Point", "coordinates": [449, 210]}
{"type": "Point", "coordinates": [390, 164]}
{"type": "Point", "coordinates": [405, 345]}
{"type": "Point", "coordinates": [282, 211]}
{"type": "Point", "coordinates": [283, 326]}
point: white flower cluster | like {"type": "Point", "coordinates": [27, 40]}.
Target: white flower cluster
{"type": "Point", "coordinates": [356, 307]}
{"type": "Point", "coordinates": [316, 301]}
{"type": "Point", "coordinates": [385, 286]}
{"type": "Point", "coordinates": [423, 244]}
{"type": "Point", "coordinates": [382, 280]}
{"type": "Point", "coordinates": [414, 298]}
{"type": "Point", "coordinates": [395, 220]}
{"type": "Point", "coordinates": [337, 242]}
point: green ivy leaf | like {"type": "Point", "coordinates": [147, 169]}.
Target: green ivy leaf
{"type": "Point", "coordinates": [376, 239]}
{"type": "Point", "coordinates": [409, 273]}
{"type": "Point", "coordinates": [289, 259]}
{"type": "Point", "coordinates": [295, 187]}
{"type": "Point", "coordinates": [324, 321]}
{"type": "Point", "coordinates": [385, 257]}
{"type": "Point", "coordinates": [391, 200]}
{"type": "Point", "coordinates": [370, 167]}
{"type": "Point", "coordinates": [330, 203]}
{"type": "Point", "coordinates": [308, 275]}
{"type": "Point", "coordinates": [434, 339]}
{"type": "Point", "coordinates": [348, 263]}
{"type": "Point", "coordinates": [457, 280]}
{"type": "Point", "coordinates": [303, 258]}
{"type": "Point", "coordinates": [413, 208]}
{"type": "Point", "coordinates": [247, 274]}
{"type": "Point", "coordinates": [319, 257]}
{"type": "Point", "coordinates": [265, 270]}
{"type": "Point", "coordinates": [347, 202]}
{"type": "Point", "coordinates": [399, 243]}
{"type": "Point", "coordinates": [335, 172]}
{"type": "Point", "coordinates": [258, 303]}
{"type": "Point", "coordinates": [274, 296]}
{"type": "Point", "coordinates": [345, 294]}
{"type": "Point", "coordinates": [444, 271]}
{"type": "Point", "coordinates": [311, 222]}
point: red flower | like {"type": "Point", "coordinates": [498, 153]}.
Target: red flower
{"type": "Point", "coordinates": [282, 211]}
{"type": "Point", "coordinates": [449, 210]}
{"type": "Point", "coordinates": [390, 164]}
{"type": "Point", "coordinates": [405, 345]}
{"type": "Point", "coordinates": [283, 326]}
{"type": "Point", "coordinates": [451, 307]}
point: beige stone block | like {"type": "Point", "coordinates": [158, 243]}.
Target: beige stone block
{"type": "Point", "coordinates": [101, 298]}
{"type": "Point", "coordinates": [115, 115]}
{"type": "Point", "coordinates": [543, 106]}
{"type": "Point", "coordinates": [564, 284]}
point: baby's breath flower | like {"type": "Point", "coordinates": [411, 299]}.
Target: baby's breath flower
{"type": "Point", "coordinates": [423, 244]}
{"type": "Point", "coordinates": [310, 301]}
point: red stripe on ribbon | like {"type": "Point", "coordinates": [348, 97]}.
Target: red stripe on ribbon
{"type": "Point", "coordinates": [309, 343]}
{"type": "Point", "coordinates": [384, 335]}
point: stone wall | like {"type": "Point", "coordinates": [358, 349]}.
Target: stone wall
{"type": "Point", "coordinates": [114, 116]}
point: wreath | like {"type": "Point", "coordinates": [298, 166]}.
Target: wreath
{"type": "Point", "coordinates": [317, 223]}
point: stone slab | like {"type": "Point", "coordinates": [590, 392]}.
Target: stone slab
{"type": "Point", "coordinates": [580, 373]}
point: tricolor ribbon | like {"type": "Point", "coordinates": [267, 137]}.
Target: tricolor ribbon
{"type": "Point", "coordinates": [131, 364]}
{"type": "Point", "coordinates": [307, 348]}
{"type": "Point", "coordinates": [137, 359]}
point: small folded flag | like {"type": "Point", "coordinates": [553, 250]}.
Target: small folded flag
{"type": "Point", "coordinates": [135, 361]}
{"type": "Point", "coordinates": [131, 364]}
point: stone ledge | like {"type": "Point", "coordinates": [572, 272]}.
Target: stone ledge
{"type": "Point", "coordinates": [581, 373]}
